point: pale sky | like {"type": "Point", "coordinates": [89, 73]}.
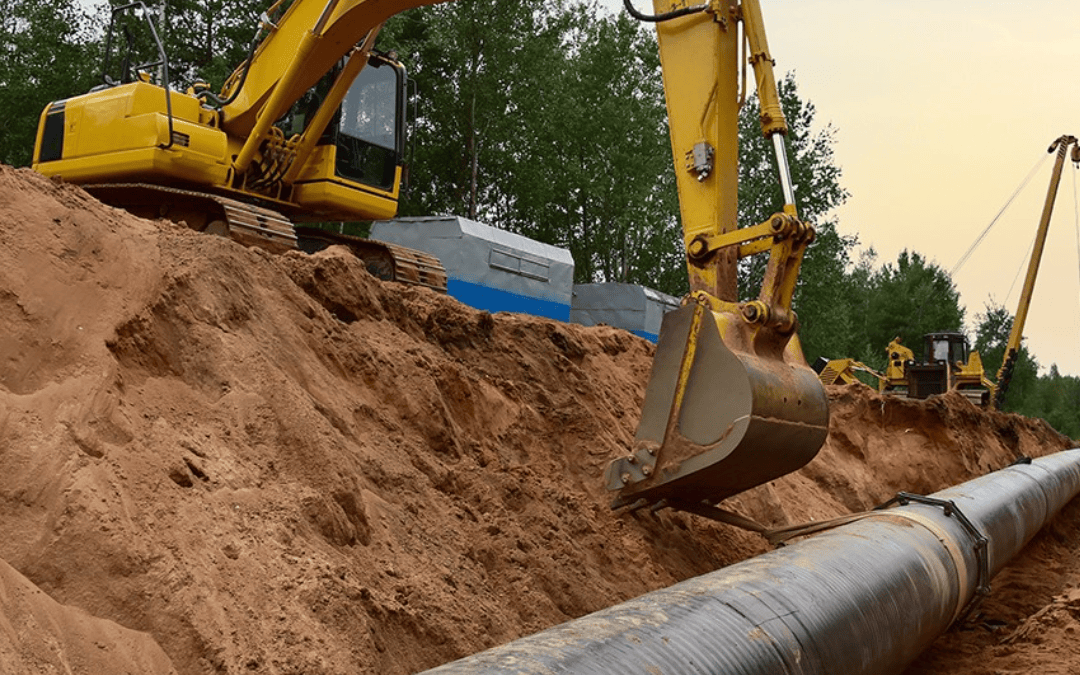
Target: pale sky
{"type": "Point", "coordinates": [942, 109]}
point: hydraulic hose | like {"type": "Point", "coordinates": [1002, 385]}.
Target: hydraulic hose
{"type": "Point", "coordinates": [666, 16]}
{"type": "Point", "coordinates": [219, 101]}
{"type": "Point", "coordinates": [866, 597]}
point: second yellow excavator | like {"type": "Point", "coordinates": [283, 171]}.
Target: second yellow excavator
{"type": "Point", "coordinates": [310, 127]}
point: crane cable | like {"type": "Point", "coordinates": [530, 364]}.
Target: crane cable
{"type": "Point", "coordinates": [979, 239]}
{"type": "Point", "coordinates": [1076, 224]}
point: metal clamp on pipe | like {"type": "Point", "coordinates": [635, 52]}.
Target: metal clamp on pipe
{"type": "Point", "coordinates": [950, 509]}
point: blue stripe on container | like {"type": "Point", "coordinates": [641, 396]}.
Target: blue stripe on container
{"type": "Point", "coordinates": [497, 300]}
{"type": "Point", "coordinates": [651, 337]}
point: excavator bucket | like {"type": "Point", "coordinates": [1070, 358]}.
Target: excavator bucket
{"type": "Point", "coordinates": [729, 406]}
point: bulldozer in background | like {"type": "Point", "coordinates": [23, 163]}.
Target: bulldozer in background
{"type": "Point", "coordinates": [947, 364]}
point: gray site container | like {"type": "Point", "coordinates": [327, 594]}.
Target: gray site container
{"type": "Point", "coordinates": [631, 307]}
{"type": "Point", "coordinates": [489, 268]}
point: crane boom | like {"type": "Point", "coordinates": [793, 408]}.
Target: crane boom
{"type": "Point", "coordinates": [1016, 333]}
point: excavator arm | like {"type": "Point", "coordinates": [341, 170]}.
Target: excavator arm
{"type": "Point", "coordinates": [731, 402]}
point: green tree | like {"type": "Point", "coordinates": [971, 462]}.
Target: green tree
{"type": "Point", "coordinates": [1056, 399]}
{"type": "Point", "coordinates": [909, 299]}
{"type": "Point", "coordinates": [991, 338]}
{"type": "Point", "coordinates": [49, 53]}
{"type": "Point", "coordinates": [857, 295]}
{"type": "Point", "coordinates": [594, 173]}
{"type": "Point", "coordinates": [204, 40]}
{"type": "Point", "coordinates": [207, 39]}
{"type": "Point", "coordinates": [547, 120]}
{"type": "Point", "coordinates": [470, 60]}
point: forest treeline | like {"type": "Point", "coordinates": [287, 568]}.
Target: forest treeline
{"type": "Point", "coordinates": [547, 119]}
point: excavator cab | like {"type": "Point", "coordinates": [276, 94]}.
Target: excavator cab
{"type": "Point", "coordinates": [364, 142]}
{"type": "Point", "coordinates": [370, 132]}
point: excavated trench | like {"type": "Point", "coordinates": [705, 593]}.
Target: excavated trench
{"type": "Point", "coordinates": [222, 461]}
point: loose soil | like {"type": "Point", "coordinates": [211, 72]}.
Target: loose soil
{"type": "Point", "coordinates": [217, 460]}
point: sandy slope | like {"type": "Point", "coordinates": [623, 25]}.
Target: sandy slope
{"type": "Point", "coordinates": [281, 465]}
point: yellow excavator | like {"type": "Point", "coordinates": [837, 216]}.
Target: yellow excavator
{"type": "Point", "coordinates": [310, 127]}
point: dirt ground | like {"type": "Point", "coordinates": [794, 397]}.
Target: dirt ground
{"type": "Point", "coordinates": [215, 460]}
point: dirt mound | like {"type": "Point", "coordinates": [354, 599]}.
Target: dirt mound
{"type": "Point", "coordinates": [281, 465]}
{"type": "Point", "coordinates": [39, 635]}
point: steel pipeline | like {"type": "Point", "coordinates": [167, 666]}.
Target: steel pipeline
{"type": "Point", "coordinates": [866, 597]}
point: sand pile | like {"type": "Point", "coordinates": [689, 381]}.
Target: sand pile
{"type": "Point", "coordinates": [281, 465]}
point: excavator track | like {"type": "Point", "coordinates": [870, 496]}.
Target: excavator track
{"type": "Point", "coordinates": [253, 225]}
{"type": "Point", "coordinates": [385, 261]}
{"type": "Point", "coordinates": [246, 223]}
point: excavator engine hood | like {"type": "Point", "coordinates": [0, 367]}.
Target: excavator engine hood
{"type": "Point", "coordinates": [729, 406]}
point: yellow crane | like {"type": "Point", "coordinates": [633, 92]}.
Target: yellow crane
{"type": "Point", "coordinates": [1016, 333]}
